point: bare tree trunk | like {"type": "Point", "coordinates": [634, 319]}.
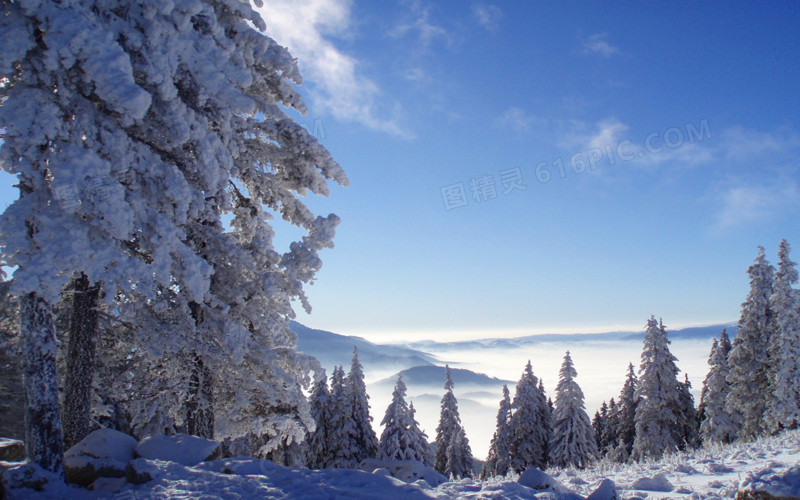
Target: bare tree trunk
{"type": "Point", "coordinates": [80, 361]}
{"type": "Point", "coordinates": [200, 401]}
{"type": "Point", "coordinates": [44, 438]}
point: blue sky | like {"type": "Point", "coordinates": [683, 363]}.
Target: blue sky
{"type": "Point", "coordinates": [689, 115]}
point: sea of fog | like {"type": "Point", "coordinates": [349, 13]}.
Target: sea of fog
{"type": "Point", "coordinates": [602, 367]}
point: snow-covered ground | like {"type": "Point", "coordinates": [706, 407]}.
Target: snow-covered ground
{"type": "Point", "coordinates": [771, 464]}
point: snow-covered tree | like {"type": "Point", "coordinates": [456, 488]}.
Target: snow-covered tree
{"type": "Point", "coordinates": [342, 425]}
{"type": "Point", "coordinates": [401, 438]}
{"type": "Point", "coordinates": [600, 425]}
{"type": "Point", "coordinates": [321, 408]}
{"type": "Point", "coordinates": [717, 424]}
{"type": "Point", "coordinates": [448, 454]}
{"type": "Point", "coordinates": [134, 128]}
{"type": "Point", "coordinates": [364, 442]}
{"type": "Point", "coordinates": [748, 361]}
{"type": "Point", "coordinates": [459, 456]}
{"type": "Point", "coordinates": [418, 446]}
{"type": "Point", "coordinates": [573, 441]}
{"type": "Point", "coordinates": [687, 416]}
{"type": "Point", "coordinates": [497, 463]}
{"type": "Point", "coordinates": [783, 408]}
{"type": "Point", "coordinates": [626, 414]}
{"type": "Point", "coordinates": [609, 439]}
{"type": "Point", "coordinates": [529, 431]}
{"type": "Point", "coordinates": [657, 420]}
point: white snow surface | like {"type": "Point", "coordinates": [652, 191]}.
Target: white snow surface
{"type": "Point", "coordinates": [770, 464]}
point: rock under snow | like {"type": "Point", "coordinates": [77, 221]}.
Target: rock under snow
{"type": "Point", "coordinates": [105, 443]}
{"type": "Point", "coordinates": [659, 482]}
{"type": "Point", "coordinates": [407, 471]}
{"type": "Point", "coordinates": [11, 450]}
{"type": "Point", "coordinates": [606, 490]}
{"type": "Point", "coordinates": [541, 482]}
{"type": "Point", "coordinates": [141, 471]}
{"type": "Point", "coordinates": [103, 453]}
{"type": "Point", "coordinates": [180, 448]}
{"type": "Point", "coordinates": [26, 476]}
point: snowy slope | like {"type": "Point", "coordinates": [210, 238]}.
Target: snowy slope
{"type": "Point", "coordinates": [770, 465]}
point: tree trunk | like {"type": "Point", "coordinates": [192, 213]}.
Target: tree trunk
{"type": "Point", "coordinates": [80, 361]}
{"type": "Point", "coordinates": [44, 438]}
{"type": "Point", "coordinates": [200, 402]}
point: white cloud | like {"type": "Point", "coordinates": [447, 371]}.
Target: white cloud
{"type": "Point", "coordinates": [744, 205]}
{"type": "Point", "coordinates": [303, 27]}
{"type": "Point", "coordinates": [597, 44]}
{"type": "Point", "coordinates": [488, 16]}
{"type": "Point", "coordinates": [516, 119]}
{"type": "Point", "coordinates": [419, 23]}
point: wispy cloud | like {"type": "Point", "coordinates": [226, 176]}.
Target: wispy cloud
{"type": "Point", "coordinates": [516, 119]}
{"type": "Point", "coordinates": [597, 44]}
{"type": "Point", "coordinates": [488, 16]}
{"type": "Point", "coordinates": [744, 205]}
{"type": "Point", "coordinates": [337, 86]}
{"type": "Point", "coordinates": [418, 23]}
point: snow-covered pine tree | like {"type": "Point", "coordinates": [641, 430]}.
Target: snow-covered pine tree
{"type": "Point", "coordinates": [364, 442]}
{"type": "Point", "coordinates": [342, 425]}
{"type": "Point", "coordinates": [748, 361]}
{"type": "Point", "coordinates": [395, 439]}
{"type": "Point", "coordinates": [717, 424]}
{"type": "Point", "coordinates": [573, 441]}
{"type": "Point", "coordinates": [783, 408]}
{"type": "Point", "coordinates": [599, 425]}
{"type": "Point", "coordinates": [459, 456]}
{"type": "Point", "coordinates": [528, 432]}
{"type": "Point", "coordinates": [321, 408]}
{"type": "Point", "coordinates": [546, 415]}
{"type": "Point", "coordinates": [609, 438]}
{"type": "Point", "coordinates": [626, 414]}
{"type": "Point", "coordinates": [140, 153]}
{"type": "Point", "coordinates": [449, 428]}
{"type": "Point", "coordinates": [418, 446]}
{"type": "Point", "coordinates": [657, 421]}
{"type": "Point", "coordinates": [497, 463]}
{"type": "Point", "coordinates": [687, 416]}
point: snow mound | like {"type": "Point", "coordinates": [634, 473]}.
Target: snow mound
{"type": "Point", "coordinates": [536, 479]}
{"type": "Point", "coordinates": [606, 490]}
{"type": "Point", "coordinates": [659, 482]}
{"type": "Point", "coordinates": [180, 448]}
{"type": "Point", "coordinates": [105, 443]}
{"type": "Point", "coordinates": [784, 485]}
{"type": "Point", "coordinates": [408, 471]}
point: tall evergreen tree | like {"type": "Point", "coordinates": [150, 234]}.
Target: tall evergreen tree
{"type": "Point", "coordinates": [599, 425]}
{"type": "Point", "coordinates": [497, 463]}
{"type": "Point", "coordinates": [783, 408]}
{"type": "Point", "coordinates": [321, 407]}
{"type": "Point", "coordinates": [573, 439]}
{"type": "Point", "coordinates": [459, 456]}
{"type": "Point", "coordinates": [401, 438]}
{"type": "Point", "coordinates": [342, 427]}
{"type": "Point", "coordinates": [717, 424]}
{"type": "Point", "coordinates": [609, 439]}
{"type": "Point", "coordinates": [687, 416]}
{"type": "Point", "coordinates": [528, 429]}
{"type": "Point", "coordinates": [626, 411]}
{"type": "Point", "coordinates": [748, 361]}
{"type": "Point", "coordinates": [128, 163]}
{"type": "Point", "coordinates": [364, 441]}
{"type": "Point", "coordinates": [448, 454]}
{"type": "Point", "coordinates": [657, 419]}
{"type": "Point", "coordinates": [419, 448]}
